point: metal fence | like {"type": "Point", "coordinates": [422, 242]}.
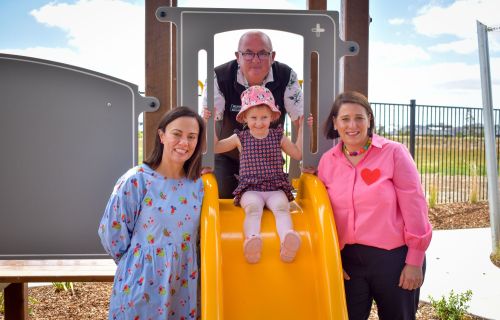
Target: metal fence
{"type": "Point", "coordinates": [447, 144]}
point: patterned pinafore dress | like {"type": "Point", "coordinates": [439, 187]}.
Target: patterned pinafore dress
{"type": "Point", "coordinates": [261, 164]}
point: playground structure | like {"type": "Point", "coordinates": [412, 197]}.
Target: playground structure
{"type": "Point", "coordinates": [311, 287]}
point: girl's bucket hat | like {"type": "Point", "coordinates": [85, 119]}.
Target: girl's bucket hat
{"type": "Point", "coordinates": [256, 96]}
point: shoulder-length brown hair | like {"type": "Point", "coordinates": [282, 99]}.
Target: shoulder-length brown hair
{"type": "Point", "coordinates": [192, 167]}
{"type": "Point", "coordinates": [347, 97]}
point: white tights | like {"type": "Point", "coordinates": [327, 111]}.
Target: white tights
{"type": "Point", "coordinates": [253, 203]}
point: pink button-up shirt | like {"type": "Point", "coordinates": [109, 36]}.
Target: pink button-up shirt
{"type": "Point", "coordinates": [380, 201]}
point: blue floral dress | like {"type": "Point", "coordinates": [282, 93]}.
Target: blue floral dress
{"type": "Point", "coordinates": [150, 228]}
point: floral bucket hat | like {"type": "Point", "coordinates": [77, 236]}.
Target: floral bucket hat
{"type": "Point", "coordinates": [256, 96]}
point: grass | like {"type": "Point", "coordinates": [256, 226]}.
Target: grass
{"type": "Point", "coordinates": [449, 155]}
{"type": "Point", "coordinates": [433, 195]}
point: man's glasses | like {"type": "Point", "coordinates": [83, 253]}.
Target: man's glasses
{"type": "Point", "coordinates": [248, 55]}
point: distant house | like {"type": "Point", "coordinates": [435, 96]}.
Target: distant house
{"type": "Point", "coordinates": [440, 130]}
{"type": "Point", "coordinates": [419, 130]}
{"type": "Point", "coordinates": [387, 130]}
{"type": "Point", "coordinates": [473, 129]}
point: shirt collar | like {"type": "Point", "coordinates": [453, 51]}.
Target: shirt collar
{"type": "Point", "coordinates": [240, 78]}
{"type": "Point", "coordinates": [378, 141]}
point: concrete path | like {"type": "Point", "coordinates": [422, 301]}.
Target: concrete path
{"type": "Point", "coordinates": [459, 260]}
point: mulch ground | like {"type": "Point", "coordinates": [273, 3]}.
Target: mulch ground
{"type": "Point", "coordinates": [90, 300]}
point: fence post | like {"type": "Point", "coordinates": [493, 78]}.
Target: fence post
{"type": "Point", "coordinates": [413, 105]}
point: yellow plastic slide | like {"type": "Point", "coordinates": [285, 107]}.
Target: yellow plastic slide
{"type": "Point", "coordinates": [309, 288]}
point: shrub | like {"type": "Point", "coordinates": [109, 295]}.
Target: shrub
{"type": "Point", "coordinates": [433, 195]}
{"type": "Point", "coordinates": [60, 286]}
{"type": "Point", "coordinates": [474, 188]}
{"type": "Point", "coordinates": [2, 304]}
{"type": "Point", "coordinates": [453, 308]}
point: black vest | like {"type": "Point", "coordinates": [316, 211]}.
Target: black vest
{"type": "Point", "coordinates": [232, 90]}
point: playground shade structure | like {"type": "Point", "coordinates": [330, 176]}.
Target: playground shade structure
{"type": "Point", "coordinates": [309, 288]}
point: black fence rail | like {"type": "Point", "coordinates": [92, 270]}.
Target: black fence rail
{"type": "Point", "coordinates": [447, 144]}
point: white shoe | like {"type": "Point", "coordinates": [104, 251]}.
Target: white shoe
{"type": "Point", "coordinates": [290, 246]}
{"type": "Point", "coordinates": [252, 248]}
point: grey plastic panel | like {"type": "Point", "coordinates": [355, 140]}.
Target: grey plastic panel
{"type": "Point", "coordinates": [66, 134]}
{"type": "Point", "coordinates": [196, 28]}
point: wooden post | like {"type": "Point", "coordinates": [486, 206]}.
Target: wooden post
{"type": "Point", "coordinates": [160, 69]}
{"type": "Point", "coordinates": [16, 301]}
{"type": "Point", "coordinates": [355, 17]}
{"type": "Point", "coordinates": [316, 5]}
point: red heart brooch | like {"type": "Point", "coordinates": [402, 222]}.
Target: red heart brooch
{"type": "Point", "coordinates": [370, 176]}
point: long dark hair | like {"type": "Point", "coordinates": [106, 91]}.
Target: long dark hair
{"type": "Point", "coordinates": [192, 167]}
{"type": "Point", "coordinates": [347, 97]}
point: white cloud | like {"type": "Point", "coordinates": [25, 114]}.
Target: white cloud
{"type": "Point", "coordinates": [452, 84]}
{"type": "Point", "coordinates": [494, 41]}
{"type": "Point", "coordinates": [257, 4]}
{"type": "Point", "coordinates": [108, 36]}
{"type": "Point", "coordinates": [103, 35]}
{"type": "Point", "coordinates": [459, 20]}
{"type": "Point", "coordinates": [396, 54]}
{"type": "Point", "coordinates": [464, 46]}
{"type": "Point", "coordinates": [396, 21]}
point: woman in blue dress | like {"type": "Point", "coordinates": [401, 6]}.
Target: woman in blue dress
{"type": "Point", "coordinates": [150, 225]}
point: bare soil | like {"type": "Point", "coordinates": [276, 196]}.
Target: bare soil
{"type": "Point", "coordinates": [90, 300]}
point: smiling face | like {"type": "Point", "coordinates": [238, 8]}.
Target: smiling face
{"type": "Point", "coordinates": [352, 123]}
{"type": "Point", "coordinates": [256, 69]}
{"type": "Point", "coordinates": [258, 120]}
{"type": "Point", "coordinates": [179, 140]}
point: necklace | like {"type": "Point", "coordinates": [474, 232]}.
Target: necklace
{"type": "Point", "coordinates": [360, 151]}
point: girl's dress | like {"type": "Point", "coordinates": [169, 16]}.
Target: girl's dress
{"type": "Point", "coordinates": [150, 228]}
{"type": "Point", "coordinates": [261, 164]}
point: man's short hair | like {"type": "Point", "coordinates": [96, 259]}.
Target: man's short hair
{"type": "Point", "coordinates": [264, 37]}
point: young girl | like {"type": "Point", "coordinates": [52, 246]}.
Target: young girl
{"type": "Point", "coordinates": [262, 181]}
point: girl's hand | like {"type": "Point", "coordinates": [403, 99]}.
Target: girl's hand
{"type": "Point", "coordinates": [311, 170]}
{"type": "Point", "coordinates": [206, 114]}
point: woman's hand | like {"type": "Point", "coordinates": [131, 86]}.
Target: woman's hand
{"type": "Point", "coordinates": [346, 276]}
{"type": "Point", "coordinates": [206, 170]}
{"type": "Point", "coordinates": [411, 277]}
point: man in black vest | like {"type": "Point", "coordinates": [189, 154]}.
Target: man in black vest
{"type": "Point", "coordinates": [254, 65]}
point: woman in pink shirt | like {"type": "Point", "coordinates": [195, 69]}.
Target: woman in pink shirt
{"type": "Point", "coordinates": [380, 212]}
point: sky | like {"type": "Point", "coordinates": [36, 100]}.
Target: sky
{"type": "Point", "coordinates": [418, 49]}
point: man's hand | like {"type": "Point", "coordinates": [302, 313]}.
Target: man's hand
{"type": "Point", "coordinates": [206, 114]}
{"type": "Point", "coordinates": [310, 120]}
